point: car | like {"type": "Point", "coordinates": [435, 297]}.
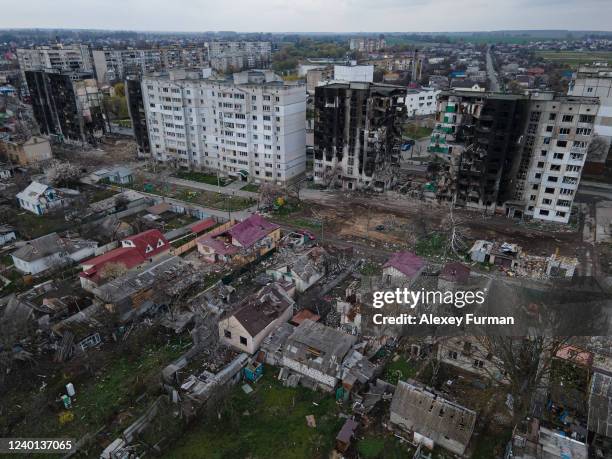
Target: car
{"type": "Point", "coordinates": [380, 227]}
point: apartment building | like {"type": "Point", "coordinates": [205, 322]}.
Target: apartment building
{"type": "Point", "coordinates": [138, 115]}
{"type": "Point", "coordinates": [357, 134]}
{"type": "Point", "coordinates": [227, 56]}
{"type": "Point", "coordinates": [117, 64]}
{"type": "Point", "coordinates": [556, 140]}
{"type": "Point", "coordinates": [367, 44]}
{"type": "Point", "coordinates": [74, 59]}
{"type": "Point", "coordinates": [520, 154]}
{"type": "Point", "coordinates": [68, 108]}
{"type": "Point", "coordinates": [250, 126]}
{"type": "Point", "coordinates": [422, 101]}
{"type": "Point", "coordinates": [597, 82]}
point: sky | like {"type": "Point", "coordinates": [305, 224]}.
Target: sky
{"type": "Point", "coordinates": [310, 15]}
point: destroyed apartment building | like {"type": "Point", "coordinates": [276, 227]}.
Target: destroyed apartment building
{"type": "Point", "coordinates": [521, 155]}
{"type": "Point", "coordinates": [357, 134]}
{"type": "Point", "coordinates": [65, 108]}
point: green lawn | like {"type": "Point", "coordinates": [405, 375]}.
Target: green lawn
{"type": "Point", "coordinates": [269, 423]}
{"type": "Point", "coordinates": [416, 132]}
{"type": "Point", "coordinates": [100, 398]}
{"type": "Point", "coordinates": [252, 187]}
{"type": "Point", "coordinates": [383, 447]}
{"type": "Point", "coordinates": [32, 226]}
{"type": "Point", "coordinates": [203, 178]}
{"type": "Point", "coordinates": [203, 198]}
{"type": "Point", "coordinates": [400, 370]}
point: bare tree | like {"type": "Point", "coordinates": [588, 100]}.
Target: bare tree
{"type": "Point", "coordinates": [112, 271]}
{"type": "Point", "coordinates": [525, 362]}
{"type": "Point", "coordinates": [456, 238]}
{"type": "Point", "coordinates": [63, 174]}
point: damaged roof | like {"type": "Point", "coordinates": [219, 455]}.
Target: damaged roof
{"type": "Point", "coordinates": [407, 263]}
{"type": "Point", "coordinates": [251, 230]}
{"type": "Point", "coordinates": [263, 308]}
{"type": "Point", "coordinates": [431, 415]}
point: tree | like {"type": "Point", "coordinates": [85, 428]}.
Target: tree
{"type": "Point", "coordinates": [525, 362]}
{"type": "Point", "coordinates": [112, 270]}
{"type": "Point", "coordinates": [121, 202]}
{"type": "Point", "coordinates": [63, 174]}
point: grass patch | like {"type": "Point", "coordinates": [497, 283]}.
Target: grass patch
{"type": "Point", "coordinates": [271, 423]}
{"type": "Point", "coordinates": [101, 194]}
{"type": "Point", "coordinates": [203, 178]}
{"type": "Point", "coordinates": [434, 245]}
{"type": "Point", "coordinates": [31, 226]}
{"type": "Point", "coordinates": [575, 58]}
{"type": "Point", "coordinates": [371, 269]}
{"type": "Point", "coordinates": [415, 131]}
{"type": "Point", "coordinates": [306, 223]}
{"type": "Point", "coordinates": [252, 187]}
{"type": "Point", "coordinates": [400, 370]}
{"type": "Point", "coordinates": [379, 447]}
{"type": "Point", "coordinates": [203, 198]}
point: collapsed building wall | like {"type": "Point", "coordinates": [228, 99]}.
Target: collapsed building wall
{"type": "Point", "coordinates": [357, 134]}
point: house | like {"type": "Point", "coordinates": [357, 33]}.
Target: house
{"type": "Point", "coordinates": [468, 85]}
{"type": "Point", "coordinates": [315, 352]}
{"type": "Point", "coordinates": [117, 175]}
{"type": "Point", "coordinates": [431, 418]}
{"type": "Point", "coordinates": [468, 355]}
{"type": "Point", "coordinates": [304, 271]}
{"type": "Point", "coordinates": [6, 172]}
{"type": "Point", "coordinates": [7, 234]}
{"type": "Point", "coordinates": [51, 251]}
{"type": "Point", "coordinates": [257, 317]}
{"type": "Point", "coordinates": [532, 441]}
{"type": "Point", "coordinates": [402, 267]}
{"type": "Point", "coordinates": [135, 251]}
{"type": "Point", "coordinates": [242, 243]}
{"type": "Point", "coordinates": [505, 255]}
{"type": "Point", "coordinates": [26, 152]}
{"type": "Point", "coordinates": [39, 198]}
{"type": "Point", "coordinates": [346, 434]}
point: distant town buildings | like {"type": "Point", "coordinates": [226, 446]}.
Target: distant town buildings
{"type": "Point", "coordinates": [234, 56]}
{"type": "Point", "coordinates": [251, 126]}
{"type": "Point", "coordinates": [367, 44]}
{"type": "Point", "coordinates": [357, 134]}
{"type": "Point", "coordinates": [348, 73]}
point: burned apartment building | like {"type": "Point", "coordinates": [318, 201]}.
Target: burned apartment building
{"type": "Point", "coordinates": [357, 134]}
{"type": "Point", "coordinates": [68, 109]}
{"type": "Point", "coordinates": [517, 154]}
{"type": "Point", "coordinates": [138, 115]}
{"type": "Point", "coordinates": [474, 142]}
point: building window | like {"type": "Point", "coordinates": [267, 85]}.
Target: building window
{"type": "Point", "coordinates": [243, 340]}
{"type": "Point", "coordinates": [227, 334]}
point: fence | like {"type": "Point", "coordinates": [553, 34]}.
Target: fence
{"type": "Point", "coordinates": [193, 241]}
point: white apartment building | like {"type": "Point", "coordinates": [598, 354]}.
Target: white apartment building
{"type": "Point", "coordinates": [596, 82]}
{"type": "Point", "coordinates": [238, 55]}
{"type": "Point", "coordinates": [564, 128]}
{"type": "Point", "coordinates": [421, 102]}
{"type": "Point", "coordinates": [251, 126]}
{"type": "Point", "coordinates": [357, 73]}
{"type": "Point", "coordinates": [69, 58]}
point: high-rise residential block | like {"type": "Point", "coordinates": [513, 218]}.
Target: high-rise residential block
{"type": "Point", "coordinates": [250, 126]}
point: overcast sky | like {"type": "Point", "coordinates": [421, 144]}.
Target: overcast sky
{"type": "Point", "coordinates": [310, 15]}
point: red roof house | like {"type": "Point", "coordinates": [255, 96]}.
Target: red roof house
{"type": "Point", "coordinates": [242, 239]}
{"type": "Point", "coordinates": [134, 251]}
{"type": "Point", "coordinates": [203, 225]}
{"type": "Point", "coordinates": [407, 263]}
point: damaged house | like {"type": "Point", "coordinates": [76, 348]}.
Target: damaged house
{"type": "Point", "coordinates": [243, 243]}
{"type": "Point", "coordinates": [40, 199]}
{"type": "Point", "coordinates": [304, 270]}
{"type": "Point", "coordinates": [432, 419]}
{"type": "Point", "coordinates": [257, 317]}
{"type": "Point", "coordinates": [316, 352]}
{"type": "Point", "coordinates": [357, 134]}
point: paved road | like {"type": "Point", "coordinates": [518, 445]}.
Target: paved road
{"type": "Point", "coordinates": [491, 73]}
